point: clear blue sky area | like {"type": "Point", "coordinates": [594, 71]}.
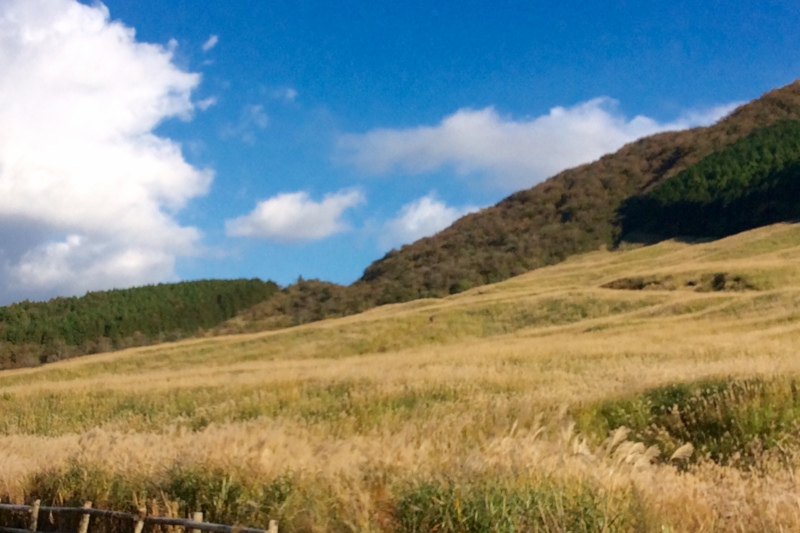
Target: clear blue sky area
{"type": "Point", "coordinates": [349, 98]}
{"type": "Point", "coordinates": [363, 65]}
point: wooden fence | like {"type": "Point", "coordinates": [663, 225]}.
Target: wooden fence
{"type": "Point", "coordinates": [138, 521]}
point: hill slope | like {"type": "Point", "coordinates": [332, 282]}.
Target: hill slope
{"type": "Point", "coordinates": [454, 414]}
{"type": "Point", "coordinates": [753, 182]}
{"type": "Point", "coordinates": [576, 211]}
{"type": "Point", "coordinates": [573, 212]}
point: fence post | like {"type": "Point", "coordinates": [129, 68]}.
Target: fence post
{"type": "Point", "coordinates": [84, 525]}
{"type": "Point", "coordinates": [273, 526]}
{"type": "Point", "coordinates": [140, 520]}
{"type": "Point", "coordinates": [197, 516]}
{"type": "Point", "coordinates": [35, 515]}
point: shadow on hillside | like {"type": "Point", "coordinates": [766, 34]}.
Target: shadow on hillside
{"type": "Point", "coordinates": [646, 219]}
{"type": "Point", "coordinates": [637, 239]}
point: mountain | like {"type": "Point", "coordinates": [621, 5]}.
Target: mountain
{"type": "Point", "coordinates": [581, 209]}
{"type": "Point", "coordinates": [712, 181]}
{"type": "Point", "coordinates": [573, 212]}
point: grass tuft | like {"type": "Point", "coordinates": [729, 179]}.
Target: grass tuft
{"type": "Point", "coordinates": [732, 421]}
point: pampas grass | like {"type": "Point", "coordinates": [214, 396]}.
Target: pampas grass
{"type": "Point", "coordinates": [387, 421]}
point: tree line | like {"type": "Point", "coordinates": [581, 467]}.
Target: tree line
{"type": "Point", "coordinates": [32, 333]}
{"type": "Point", "coordinates": [574, 212]}
{"type": "Point", "coordinates": [751, 183]}
{"type": "Point", "coordinates": [711, 181]}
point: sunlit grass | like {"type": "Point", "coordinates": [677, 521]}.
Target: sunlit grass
{"type": "Point", "coordinates": [453, 414]}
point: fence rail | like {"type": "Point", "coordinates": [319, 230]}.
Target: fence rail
{"type": "Point", "coordinates": [193, 525]}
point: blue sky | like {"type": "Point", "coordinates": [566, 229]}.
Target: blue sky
{"type": "Point", "coordinates": [279, 139]}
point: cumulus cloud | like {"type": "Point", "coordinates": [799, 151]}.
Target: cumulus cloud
{"type": "Point", "coordinates": [295, 217]}
{"type": "Point", "coordinates": [421, 218]}
{"type": "Point", "coordinates": [511, 153]}
{"type": "Point", "coordinates": [88, 193]}
{"type": "Point", "coordinates": [210, 43]}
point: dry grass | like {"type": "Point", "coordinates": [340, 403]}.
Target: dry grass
{"type": "Point", "coordinates": [447, 415]}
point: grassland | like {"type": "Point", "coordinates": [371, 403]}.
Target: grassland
{"type": "Point", "coordinates": [565, 399]}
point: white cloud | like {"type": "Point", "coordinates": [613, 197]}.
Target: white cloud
{"type": "Point", "coordinates": [252, 118]}
{"type": "Point", "coordinates": [701, 117]}
{"type": "Point", "coordinates": [512, 154]}
{"type": "Point", "coordinates": [81, 264]}
{"type": "Point", "coordinates": [205, 103]}
{"type": "Point", "coordinates": [421, 218]}
{"type": "Point", "coordinates": [87, 191]}
{"type": "Point", "coordinates": [295, 217]}
{"type": "Point", "coordinates": [210, 43]}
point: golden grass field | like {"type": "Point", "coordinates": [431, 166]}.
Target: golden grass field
{"type": "Point", "coordinates": [491, 410]}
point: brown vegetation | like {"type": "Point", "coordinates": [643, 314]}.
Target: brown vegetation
{"type": "Point", "coordinates": [502, 414]}
{"type": "Point", "coordinates": [571, 213]}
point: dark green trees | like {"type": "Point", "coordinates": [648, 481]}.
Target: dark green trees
{"type": "Point", "coordinates": [34, 332]}
{"type": "Point", "coordinates": [751, 183]}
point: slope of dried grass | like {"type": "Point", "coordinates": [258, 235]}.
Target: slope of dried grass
{"type": "Point", "coordinates": [447, 414]}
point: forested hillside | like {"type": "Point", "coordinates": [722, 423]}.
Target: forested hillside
{"type": "Point", "coordinates": [37, 332]}
{"type": "Point", "coordinates": [707, 181]}
{"type": "Point", "coordinates": [573, 212]}
{"type": "Point", "coordinates": [578, 210]}
{"type": "Point", "coordinates": [752, 183]}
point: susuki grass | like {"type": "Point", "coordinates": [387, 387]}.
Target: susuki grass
{"type": "Point", "coordinates": [478, 502]}
{"type": "Point", "coordinates": [726, 421]}
{"type": "Point", "coordinates": [544, 403]}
